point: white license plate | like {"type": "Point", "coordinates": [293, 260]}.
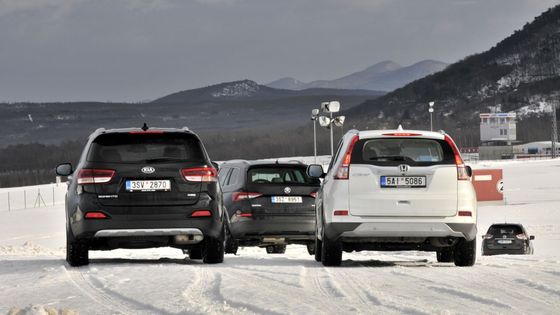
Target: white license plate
{"type": "Point", "coordinates": [286, 199]}
{"type": "Point", "coordinates": [148, 185]}
{"type": "Point", "coordinates": [403, 181]}
{"type": "Point", "coordinates": [504, 241]}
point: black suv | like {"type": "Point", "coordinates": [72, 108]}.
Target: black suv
{"type": "Point", "coordinates": [269, 204]}
{"type": "Point", "coordinates": [143, 188]}
{"type": "Point", "coordinates": [507, 238]}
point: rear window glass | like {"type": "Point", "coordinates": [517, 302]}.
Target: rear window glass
{"type": "Point", "coordinates": [499, 230]}
{"type": "Point", "coordinates": [145, 148]}
{"type": "Point", "coordinates": [280, 176]}
{"type": "Point", "coordinates": [395, 151]}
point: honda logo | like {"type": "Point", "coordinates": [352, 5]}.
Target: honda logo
{"type": "Point", "coordinates": [148, 170]}
{"type": "Point", "coordinates": [287, 190]}
{"type": "Point", "coordinates": [403, 168]}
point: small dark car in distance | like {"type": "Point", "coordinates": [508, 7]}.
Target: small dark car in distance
{"type": "Point", "coordinates": [269, 204]}
{"type": "Point", "coordinates": [507, 238]}
{"type": "Point", "coordinates": [143, 188]}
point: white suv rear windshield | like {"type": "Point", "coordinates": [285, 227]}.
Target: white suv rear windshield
{"type": "Point", "coordinates": [145, 148]}
{"type": "Point", "coordinates": [395, 151]}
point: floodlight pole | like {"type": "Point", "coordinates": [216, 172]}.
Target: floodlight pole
{"type": "Point", "coordinates": [431, 111]}
{"type": "Point", "coordinates": [315, 139]}
{"type": "Point", "coordinates": [332, 141]}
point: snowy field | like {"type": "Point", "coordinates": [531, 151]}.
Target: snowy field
{"type": "Point", "coordinates": [162, 281]}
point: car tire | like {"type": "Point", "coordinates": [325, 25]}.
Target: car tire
{"type": "Point", "coordinates": [464, 253]}
{"type": "Point", "coordinates": [276, 249]}
{"type": "Point", "coordinates": [318, 249]}
{"type": "Point", "coordinates": [77, 251]}
{"type": "Point", "coordinates": [231, 244]}
{"type": "Point", "coordinates": [214, 249]}
{"type": "Point", "coordinates": [311, 248]}
{"type": "Point", "coordinates": [331, 252]}
{"type": "Point", "coordinates": [195, 252]}
{"type": "Point", "coordinates": [445, 255]}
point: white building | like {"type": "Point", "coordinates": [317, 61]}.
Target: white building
{"type": "Point", "coordinates": [537, 148]}
{"type": "Point", "coordinates": [498, 127]}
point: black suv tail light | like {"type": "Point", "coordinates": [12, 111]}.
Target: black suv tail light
{"type": "Point", "coordinates": [200, 174]}
{"type": "Point", "coordinates": [94, 176]}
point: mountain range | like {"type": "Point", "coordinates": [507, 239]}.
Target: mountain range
{"type": "Point", "coordinates": [383, 76]}
{"type": "Point", "coordinates": [520, 74]}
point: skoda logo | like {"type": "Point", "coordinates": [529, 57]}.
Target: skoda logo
{"type": "Point", "coordinates": [148, 170]}
{"type": "Point", "coordinates": [403, 168]}
{"type": "Point", "coordinates": [287, 190]}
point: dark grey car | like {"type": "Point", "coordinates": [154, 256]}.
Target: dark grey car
{"type": "Point", "coordinates": [507, 238]}
{"type": "Point", "coordinates": [269, 204]}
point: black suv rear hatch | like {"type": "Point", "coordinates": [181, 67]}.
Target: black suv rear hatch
{"type": "Point", "coordinates": [147, 168]}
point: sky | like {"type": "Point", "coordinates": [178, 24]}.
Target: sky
{"type": "Point", "coordinates": [137, 50]}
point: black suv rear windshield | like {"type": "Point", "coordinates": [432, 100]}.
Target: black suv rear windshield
{"type": "Point", "coordinates": [510, 230]}
{"type": "Point", "coordinates": [280, 176]}
{"type": "Point", "coordinates": [395, 151]}
{"type": "Point", "coordinates": [145, 148]}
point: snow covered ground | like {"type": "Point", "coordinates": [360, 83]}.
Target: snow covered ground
{"type": "Point", "coordinates": [162, 281]}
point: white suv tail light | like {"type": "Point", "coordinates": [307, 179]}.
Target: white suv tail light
{"type": "Point", "coordinates": [461, 168]}
{"type": "Point", "coordinates": [343, 170]}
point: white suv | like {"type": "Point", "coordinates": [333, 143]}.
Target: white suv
{"type": "Point", "coordinates": [396, 190]}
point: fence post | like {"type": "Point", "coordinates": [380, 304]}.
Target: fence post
{"type": "Point", "coordinates": [9, 206]}
{"type": "Point", "coordinates": [24, 199]}
{"type": "Point", "coordinates": [53, 195]}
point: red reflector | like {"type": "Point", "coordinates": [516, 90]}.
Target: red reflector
{"type": "Point", "coordinates": [201, 213]}
{"type": "Point", "coordinates": [94, 176]}
{"type": "Point", "coordinates": [465, 214]}
{"type": "Point", "coordinates": [245, 215]}
{"type": "Point", "coordinates": [314, 194]}
{"type": "Point", "coordinates": [96, 215]}
{"type": "Point", "coordinates": [402, 134]}
{"type": "Point", "coordinates": [200, 174]}
{"type": "Point", "coordinates": [340, 212]}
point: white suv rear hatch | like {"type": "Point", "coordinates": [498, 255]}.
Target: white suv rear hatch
{"type": "Point", "coordinates": [403, 175]}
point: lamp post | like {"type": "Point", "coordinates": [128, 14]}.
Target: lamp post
{"type": "Point", "coordinates": [328, 122]}
{"type": "Point", "coordinates": [431, 111]}
{"type": "Point", "coordinates": [314, 116]}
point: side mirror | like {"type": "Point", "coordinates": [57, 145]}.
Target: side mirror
{"type": "Point", "coordinates": [469, 170]}
{"type": "Point", "coordinates": [216, 166]}
{"type": "Point", "coordinates": [64, 169]}
{"type": "Point", "coordinates": [315, 171]}
{"type": "Point", "coordinates": [532, 237]}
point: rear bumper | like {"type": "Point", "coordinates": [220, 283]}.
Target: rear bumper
{"type": "Point", "coordinates": [298, 230]}
{"type": "Point", "coordinates": [490, 252]}
{"type": "Point", "coordinates": [372, 230]}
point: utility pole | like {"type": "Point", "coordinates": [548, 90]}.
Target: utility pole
{"type": "Point", "coordinates": [554, 130]}
{"type": "Point", "coordinates": [549, 51]}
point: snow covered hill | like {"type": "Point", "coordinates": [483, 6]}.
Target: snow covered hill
{"type": "Point", "coordinates": [162, 281]}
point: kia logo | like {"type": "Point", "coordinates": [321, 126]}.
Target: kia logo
{"type": "Point", "coordinates": [287, 190]}
{"type": "Point", "coordinates": [403, 168]}
{"type": "Point", "coordinates": [148, 170]}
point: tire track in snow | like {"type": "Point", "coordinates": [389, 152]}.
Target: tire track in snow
{"type": "Point", "coordinates": [305, 297]}
{"type": "Point", "coordinates": [364, 290]}
{"type": "Point", "coordinates": [539, 286]}
{"type": "Point", "coordinates": [206, 292]}
{"type": "Point", "coordinates": [115, 303]}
